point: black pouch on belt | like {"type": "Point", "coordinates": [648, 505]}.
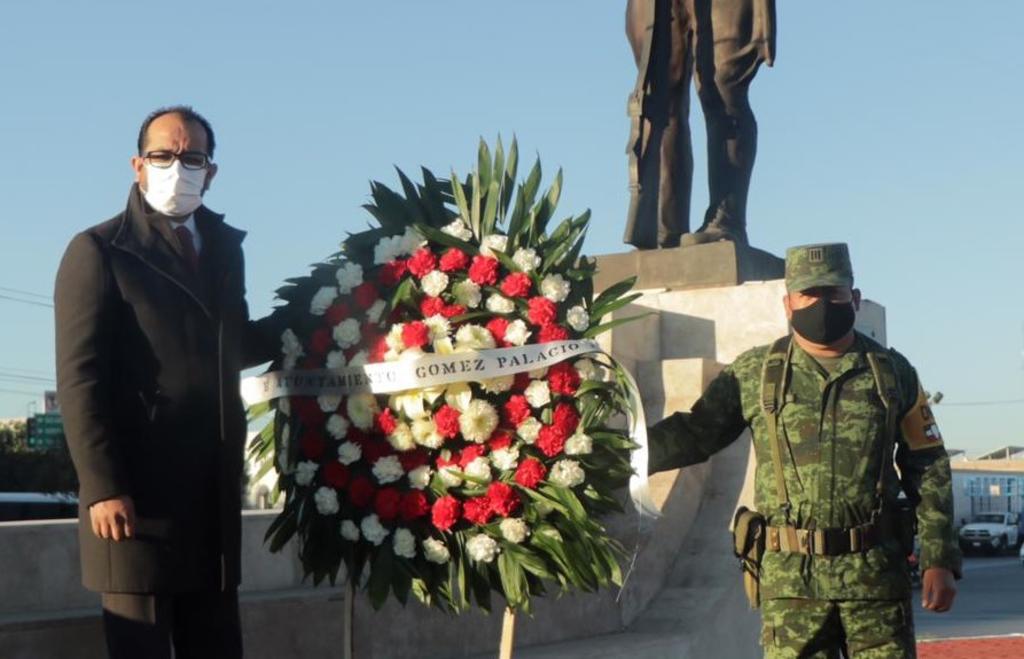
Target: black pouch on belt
{"type": "Point", "coordinates": [748, 533]}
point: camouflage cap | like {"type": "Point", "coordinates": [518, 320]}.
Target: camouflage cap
{"type": "Point", "coordinates": [824, 264]}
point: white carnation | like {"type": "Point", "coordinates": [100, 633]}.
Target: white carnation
{"type": "Point", "coordinates": [387, 249]}
{"type": "Point", "coordinates": [505, 459]}
{"type": "Point", "coordinates": [376, 310]}
{"type": "Point", "coordinates": [434, 283]}
{"type": "Point", "coordinates": [304, 472]}
{"type": "Point", "coordinates": [349, 452]}
{"type": "Point", "coordinates": [419, 478]}
{"type": "Point", "coordinates": [290, 344]}
{"type": "Point", "coordinates": [579, 444]}
{"type": "Point", "coordinates": [529, 429]}
{"type": "Point", "coordinates": [555, 288]}
{"type": "Point", "coordinates": [526, 258]}
{"type": "Point", "coordinates": [439, 327]}
{"type": "Point", "coordinates": [514, 529]}
{"type": "Point", "coordinates": [283, 457]}
{"type": "Point", "coordinates": [517, 333]}
{"type": "Point", "coordinates": [349, 530]}
{"type": "Point", "coordinates": [411, 241]}
{"type": "Point", "coordinates": [587, 369]}
{"type": "Point", "coordinates": [326, 501]}
{"type": "Point", "coordinates": [493, 243]}
{"type": "Point", "coordinates": [328, 402]}
{"type": "Point", "coordinates": [480, 469]}
{"type": "Point", "coordinates": [388, 469]}
{"type": "Point", "coordinates": [459, 396]}
{"type": "Point", "coordinates": [349, 276]}
{"type": "Point", "coordinates": [359, 359]}
{"type": "Point", "coordinates": [538, 373]}
{"type": "Point", "coordinates": [404, 543]}
{"type": "Point", "coordinates": [567, 473]}
{"type": "Point", "coordinates": [337, 426]}
{"type": "Point", "coordinates": [284, 406]}
{"type": "Point", "coordinates": [578, 318]}
{"type": "Point", "coordinates": [290, 361]}
{"type": "Point", "coordinates": [435, 551]}
{"type": "Point", "coordinates": [450, 475]}
{"type": "Point", "coordinates": [361, 409]}
{"type": "Point", "coordinates": [424, 432]}
{"type": "Point", "coordinates": [373, 530]}
{"type": "Point", "coordinates": [478, 421]}
{"type": "Point", "coordinates": [482, 548]}
{"type": "Point", "coordinates": [473, 337]}
{"type": "Point", "coordinates": [336, 359]}
{"type": "Point", "coordinates": [322, 300]}
{"type": "Point", "coordinates": [500, 304]}
{"type": "Point", "coordinates": [458, 229]}
{"type": "Point", "coordinates": [347, 333]}
{"type": "Point", "coordinates": [537, 393]}
{"type": "Point", "coordinates": [394, 337]}
{"type": "Point", "coordinates": [498, 385]}
{"type": "Point", "coordinates": [401, 437]}
{"type": "Point", "coordinates": [467, 293]}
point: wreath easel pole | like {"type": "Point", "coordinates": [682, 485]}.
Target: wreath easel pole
{"type": "Point", "coordinates": [508, 632]}
{"type": "Point", "coordinates": [348, 613]}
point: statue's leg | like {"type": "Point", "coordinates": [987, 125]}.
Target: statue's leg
{"type": "Point", "coordinates": [726, 63]}
{"type": "Point", "coordinates": [677, 148]}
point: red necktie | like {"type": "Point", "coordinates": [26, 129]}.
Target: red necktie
{"type": "Point", "coordinates": [188, 247]}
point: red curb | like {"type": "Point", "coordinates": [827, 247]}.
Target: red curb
{"type": "Point", "coordinates": [1006, 647]}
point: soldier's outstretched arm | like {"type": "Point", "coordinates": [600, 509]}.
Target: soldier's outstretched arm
{"type": "Point", "coordinates": [714, 422]}
{"type": "Point", "coordinates": [924, 466]}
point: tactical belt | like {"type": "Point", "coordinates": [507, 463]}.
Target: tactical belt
{"type": "Point", "coordinates": [822, 542]}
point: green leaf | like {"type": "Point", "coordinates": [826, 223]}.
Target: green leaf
{"type": "Point", "coordinates": [380, 577]}
{"type": "Point", "coordinates": [600, 329]}
{"type": "Point", "coordinates": [513, 581]}
{"type": "Point", "coordinates": [611, 293]}
{"type": "Point", "coordinates": [460, 200]}
{"type": "Point", "coordinates": [487, 222]}
{"type": "Point", "coordinates": [483, 165]}
{"type": "Point", "coordinates": [476, 195]}
{"type": "Point", "coordinates": [615, 305]}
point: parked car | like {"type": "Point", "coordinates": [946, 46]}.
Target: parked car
{"type": "Point", "coordinates": [991, 532]}
{"type": "Point", "coordinates": [21, 506]}
{"type": "Point", "coordinates": [1022, 555]}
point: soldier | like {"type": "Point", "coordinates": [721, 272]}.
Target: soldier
{"type": "Point", "coordinates": [826, 406]}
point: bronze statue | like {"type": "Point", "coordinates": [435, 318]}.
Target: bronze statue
{"type": "Point", "coordinates": [723, 42]}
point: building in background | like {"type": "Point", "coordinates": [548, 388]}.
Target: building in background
{"type": "Point", "coordinates": [992, 482]}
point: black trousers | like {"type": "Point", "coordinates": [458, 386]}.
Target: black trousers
{"type": "Point", "coordinates": [202, 625]}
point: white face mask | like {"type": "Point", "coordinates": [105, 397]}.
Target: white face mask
{"type": "Point", "coordinates": [174, 190]}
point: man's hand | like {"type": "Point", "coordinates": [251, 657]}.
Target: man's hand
{"type": "Point", "coordinates": [113, 518]}
{"type": "Point", "coordinates": [938, 588]}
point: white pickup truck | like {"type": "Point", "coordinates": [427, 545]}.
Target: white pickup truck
{"type": "Point", "coordinates": [992, 532]}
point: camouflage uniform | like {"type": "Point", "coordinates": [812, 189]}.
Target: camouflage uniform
{"type": "Point", "coordinates": [832, 427]}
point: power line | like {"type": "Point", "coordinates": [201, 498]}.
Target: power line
{"type": "Point", "coordinates": [13, 377]}
{"type": "Point", "coordinates": [28, 371]}
{"type": "Point", "coordinates": [32, 302]}
{"type": "Point", "coordinates": [980, 403]}
{"type": "Point", "coordinates": [21, 292]}
{"type": "Point", "coordinates": [22, 392]}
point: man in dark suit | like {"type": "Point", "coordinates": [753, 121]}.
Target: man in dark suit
{"type": "Point", "coordinates": [152, 333]}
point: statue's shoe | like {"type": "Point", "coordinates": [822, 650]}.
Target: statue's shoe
{"type": "Point", "coordinates": [714, 234]}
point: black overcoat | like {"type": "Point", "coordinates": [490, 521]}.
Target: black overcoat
{"type": "Point", "coordinates": [149, 354]}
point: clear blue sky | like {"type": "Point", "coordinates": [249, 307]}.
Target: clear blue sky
{"type": "Point", "coordinates": [894, 126]}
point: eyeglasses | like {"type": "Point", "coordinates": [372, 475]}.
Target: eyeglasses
{"type": "Point", "coordinates": [188, 159]}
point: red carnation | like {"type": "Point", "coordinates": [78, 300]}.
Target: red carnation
{"type": "Point", "coordinates": [503, 498]}
{"type": "Point", "coordinates": [361, 491]}
{"type": "Point", "coordinates": [541, 311]}
{"type": "Point", "coordinates": [499, 440]}
{"type": "Point", "coordinates": [321, 341]}
{"type": "Point", "coordinates": [470, 453]}
{"type": "Point", "coordinates": [413, 506]}
{"type": "Point", "coordinates": [515, 410]}
{"type": "Point", "coordinates": [365, 295]}
{"type": "Point", "coordinates": [431, 306]}
{"type": "Point", "coordinates": [308, 411]}
{"type": "Point", "coordinates": [422, 262]}
{"type": "Point", "coordinates": [521, 381]}
{"type": "Point", "coordinates": [375, 450]}
{"type": "Point", "coordinates": [445, 513]}
{"type": "Point", "coordinates": [478, 510]}
{"type": "Point", "coordinates": [392, 272]}
{"type": "Point", "coordinates": [564, 379]}
{"type": "Point", "coordinates": [552, 332]}
{"type": "Point", "coordinates": [497, 327]}
{"type": "Point", "coordinates": [386, 503]}
{"type": "Point", "coordinates": [378, 348]}
{"type": "Point", "coordinates": [454, 259]}
{"type": "Point", "coordinates": [517, 284]}
{"type": "Point", "coordinates": [565, 418]}
{"type": "Point", "coordinates": [530, 473]}
{"type": "Point", "coordinates": [386, 421]}
{"type": "Point", "coordinates": [551, 441]}
{"type": "Point", "coordinates": [452, 310]}
{"type": "Point", "coordinates": [415, 334]}
{"type": "Point", "coordinates": [356, 435]}
{"type": "Point", "coordinates": [336, 475]}
{"type": "Point", "coordinates": [336, 313]}
{"type": "Point", "coordinates": [447, 421]}
{"type": "Point", "coordinates": [484, 270]}
{"type": "Point", "coordinates": [313, 445]}
{"type": "Point", "coordinates": [412, 459]}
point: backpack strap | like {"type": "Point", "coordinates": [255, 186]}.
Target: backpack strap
{"type": "Point", "coordinates": [774, 374]}
{"type": "Point", "coordinates": [885, 383]}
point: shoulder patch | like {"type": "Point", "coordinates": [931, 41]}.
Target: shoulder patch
{"type": "Point", "coordinates": [919, 427]}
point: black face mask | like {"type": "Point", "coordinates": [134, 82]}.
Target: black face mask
{"type": "Point", "coordinates": [824, 322]}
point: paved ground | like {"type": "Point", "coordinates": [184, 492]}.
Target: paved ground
{"type": "Point", "coordinates": [1002, 647]}
{"type": "Point", "coordinates": [989, 602]}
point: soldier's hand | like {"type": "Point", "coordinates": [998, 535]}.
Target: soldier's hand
{"type": "Point", "coordinates": [938, 588]}
{"type": "Point", "coordinates": [113, 518]}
